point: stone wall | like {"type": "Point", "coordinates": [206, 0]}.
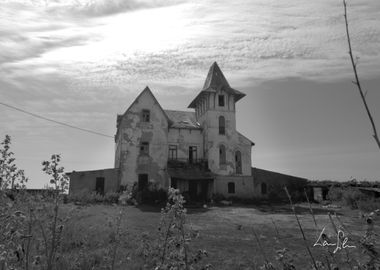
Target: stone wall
{"type": "Point", "coordinates": [86, 180]}
{"type": "Point", "coordinates": [270, 185]}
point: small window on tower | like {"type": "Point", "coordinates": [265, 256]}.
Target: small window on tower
{"type": "Point", "coordinates": [221, 100]}
{"type": "Point", "coordinates": [146, 116]}
{"type": "Point", "coordinates": [144, 148]}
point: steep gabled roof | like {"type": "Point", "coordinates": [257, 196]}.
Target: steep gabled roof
{"type": "Point", "coordinates": [215, 81]}
{"type": "Point", "coordinates": [155, 100]}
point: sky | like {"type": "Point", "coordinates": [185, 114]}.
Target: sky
{"type": "Point", "coordinates": [82, 62]}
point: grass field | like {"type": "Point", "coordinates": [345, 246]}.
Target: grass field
{"type": "Point", "coordinates": [226, 233]}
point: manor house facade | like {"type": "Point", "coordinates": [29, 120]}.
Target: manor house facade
{"type": "Point", "coordinates": [200, 152]}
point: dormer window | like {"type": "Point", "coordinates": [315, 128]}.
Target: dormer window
{"type": "Point", "coordinates": [146, 116]}
{"type": "Point", "coordinates": [221, 100]}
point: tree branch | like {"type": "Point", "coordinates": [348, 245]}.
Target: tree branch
{"type": "Point", "coordinates": [357, 82]}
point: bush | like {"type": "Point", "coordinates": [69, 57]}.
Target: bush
{"type": "Point", "coordinates": [351, 197]}
{"type": "Point", "coordinates": [368, 205]}
{"type": "Point", "coordinates": [335, 194]}
{"type": "Point", "coordinates": [86, 197]}
{"type": "Point", "coordinates": [217, 197]}
{"type": "Point", "coordinates": [111, 197]}
{"type": "Point", "coordinates": [154, 196]}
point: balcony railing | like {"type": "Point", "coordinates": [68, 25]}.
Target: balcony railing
{"type": "Point", "coordinates": [187, 163]}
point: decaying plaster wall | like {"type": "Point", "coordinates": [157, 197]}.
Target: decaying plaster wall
{"type": "Point", "coordinates": [243, 186]}
{"type": "Point", "coordinates": [132, 132]}
{"type": "Point", "coordinates": [275, 183]}
{"type": "Point", "coordinates": [86, 180]}
{"type": "Point", "coordinates": [232, 140]}
{"type": "Point", "coordinates": [183, 138]}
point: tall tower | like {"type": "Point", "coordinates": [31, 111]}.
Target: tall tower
{"type": "Point", "coordinates": [215, 111]}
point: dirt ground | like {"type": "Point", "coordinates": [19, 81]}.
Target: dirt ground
{"type": "Point", "coordinates": [226, 233]}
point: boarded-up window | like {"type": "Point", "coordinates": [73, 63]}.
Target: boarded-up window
{"type": "Point", "coordinates": [263, 188]}
{"type": "Point", "coordinates": [222, 154]}
{"type": "Point", "coordinates": [146, 116]}
{"type": "Point", "coordinates": [144, 148]}
{"type": "Point", "coordinates": [231, 187]}
{"type": "Point", "coordinates": [221, 100]}
{"type": "Point", "coordinates": [172, 151]}
{"type": "Point", "coordinates": [238, 162]}
{"type": "Point", "coordinates": [222, 125]}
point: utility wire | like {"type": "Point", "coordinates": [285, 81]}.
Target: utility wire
{"type": "Point", "coordinates": [54, 121]}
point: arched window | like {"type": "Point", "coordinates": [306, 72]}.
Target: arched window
{"type": "Point", "coordinates": [238, 162]}
{"type": "Point", "coordinates": [222, 125]}
{"type": "Point", "coordinates": [231, 187]}
{"type": "Point", "coordinates": [263, 188]}
{"type": "Point", "coordinates": [222, 154]}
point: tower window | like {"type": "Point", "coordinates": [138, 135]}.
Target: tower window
{"type": "Point", "coordinates": [146, 116]}
{"type": "Point", "coordinates": [144, 148]}
{"type": "Point", "coordinates": [221, 100]}
{"type": "Point", "coordinates": [222, 125]}
{"type": "Point", "coordinates": [222, 154]}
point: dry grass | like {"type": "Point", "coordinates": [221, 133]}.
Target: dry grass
{"type": "Point", "coordinates": [225, 232]}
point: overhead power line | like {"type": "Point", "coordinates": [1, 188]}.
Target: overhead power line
{"type": "Point", "coordinates": [54, 121]}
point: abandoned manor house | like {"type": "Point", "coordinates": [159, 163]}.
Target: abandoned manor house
{"type": "Point", "coordinates": [199, 152]}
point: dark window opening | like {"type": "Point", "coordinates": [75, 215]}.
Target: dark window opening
{"type": "Point", "coordinates": [144, 148]}
{"type": "Point", "coordinates": [222, 125]}
{"type": "Point", "coordinates": [238, 162]}
{"type": "Point", "coordinates": [222, 154]}
{"type": "Point", "coordinates": [263, 188]}
{"type": "Point", "coordinates": [143, 182]}
{"type": "Point", "coordinates": [99, 187]}
{"type": "Point", "coordinates": [172, 152]}
{"type": "Point", "coordinates": [221, 100]}
{"type": "Point", "coordinates": [192, 154]}
{"type": "Point", "coordinates": [231, 188]}
{"type": "Point", "coordinates": [146, 116]}
{"type": "Point", "coordinates": [174, 183]}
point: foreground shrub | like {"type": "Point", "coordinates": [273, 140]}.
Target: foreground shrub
{"type": "Point", "coordinates": [369, 204]}
{"type": "Point", "coordinates": [86, 197]}
{"type": "Point", "coordinates": [172, 248]}
{"type": "Point", "coordinates": [335, 194]}
{"type": "Point", "coordinates": [351, 196]}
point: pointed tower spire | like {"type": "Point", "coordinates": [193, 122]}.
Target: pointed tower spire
{"type": "Point", "coordinates": [215, 78]}
{"type": "Point", "coordinates": [215, 81]}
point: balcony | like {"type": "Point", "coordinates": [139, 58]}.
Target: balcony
{"type": "Point", "coordinates": [185, 163]}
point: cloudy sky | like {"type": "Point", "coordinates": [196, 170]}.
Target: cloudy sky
{"type": "Point", "coordinates": [83, 61]}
